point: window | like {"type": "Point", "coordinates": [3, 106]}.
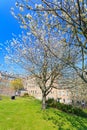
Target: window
{"type": "Point", "coordinates": [64, 100]}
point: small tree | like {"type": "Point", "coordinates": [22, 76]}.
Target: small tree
{"type": "Point", "coordinates": [16, 84]}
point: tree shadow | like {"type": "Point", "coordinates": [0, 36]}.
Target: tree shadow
{"type": "Point", "coordinates": [66, 121]}
{"type": "Point", "coordinates": [76, 122]}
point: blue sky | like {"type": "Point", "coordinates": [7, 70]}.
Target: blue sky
{"type": "Point", "coordinates": [8, 25]}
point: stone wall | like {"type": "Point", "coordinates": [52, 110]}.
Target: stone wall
{"type": "Point", "coordinates": [6, 91]}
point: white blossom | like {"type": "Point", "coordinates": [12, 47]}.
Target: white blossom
{"type": "Point", "coordinates": [16, 4]}
{"type": "Point", "coordinates": [23, 26]}
{"type": "Point", "coordinates": [29, 16]}
{"type": "Point", "coordinates": [21, 8]}
{"type": "Point", "coordinates": [38, 6]}
{"type": "Point", "coordinates": [28, 33]}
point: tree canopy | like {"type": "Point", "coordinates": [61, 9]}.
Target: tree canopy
{"type": "Point", "coordinates": [67, 20]}
{"type": "Point", "coordinates": [16, 84]}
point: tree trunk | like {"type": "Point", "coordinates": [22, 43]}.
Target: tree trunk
{"type": "Point", "coordinates": [43, 101]}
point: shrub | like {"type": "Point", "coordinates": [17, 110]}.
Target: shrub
{"type": "Point", "coordinates": [26, 95]}
{"type": "Point", "coordinates": [66, 108]}
{"type": "Point", "coordinates": [51, 103]}
{"type": "Point", "coordinates": [50, 100]}
{"type": "Point", "coordinates": [79, 112]}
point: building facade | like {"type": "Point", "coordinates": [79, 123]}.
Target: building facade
{"type": "Point", "coordinates": [62, 95]}
{"type": "Point", "coordinates": [73, 95]}
{"type": "Point", "coordinates": [5, 88]}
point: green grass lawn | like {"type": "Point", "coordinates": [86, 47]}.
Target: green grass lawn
{"type": "Point", "coordinates": [26, 114]}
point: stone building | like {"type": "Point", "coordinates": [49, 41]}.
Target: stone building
{"type": "Point", "coordinates": [75, 94]}
{"type": "Point", "coordinates": [79, 92]}
{"type": "Point", "coordinates": [62, 95]}
{"type": "Point", "coordinates": [6, 91]}
{"type": "Point", "coordinates": [5, 85]}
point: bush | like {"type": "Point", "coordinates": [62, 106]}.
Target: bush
{"type": "Point", "coordinates": [26, 95]}
{"type": "Point", "coordinates": [66, 108]}
{"type": "Point", "coordinates": [51, 103]}
{"type": "Point", "coordinates": [79, 112]}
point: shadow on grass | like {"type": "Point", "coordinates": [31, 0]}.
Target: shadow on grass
{"type": "Point", "coordinates": [66, 121]}
{"type": "Point", "coordinates": [76, 122]}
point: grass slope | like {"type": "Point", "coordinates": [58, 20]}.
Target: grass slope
{"type": "Point", "coordinates": [26, 114]}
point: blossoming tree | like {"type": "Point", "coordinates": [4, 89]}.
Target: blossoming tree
{"type": "Point", "coordinates": [68, 19]}
{"type": "Point", "coordinates": [31, 52]}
